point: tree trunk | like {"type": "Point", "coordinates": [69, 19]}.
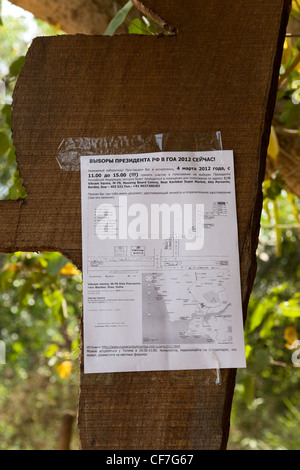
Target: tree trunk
{"type": "Point", "coordinates": [77, 16]}
{"type": "Point", "coordinates": [66, 430]}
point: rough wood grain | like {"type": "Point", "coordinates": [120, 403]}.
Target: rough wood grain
{"type": "Point", "coordinates": [218, 73]}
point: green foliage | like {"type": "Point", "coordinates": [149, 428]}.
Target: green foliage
{"type": "Point", "coordinates": [1, 22]}
{"type": "Point", "coordinates": [261, 417]}
{"type": "Point", "coordinates": [272, 187]}
{"type": "Point", "coordinates": [266, 407]}
{"type": "Point", "coordinates": [291, 308]}
{"type": "Point", "coordinates": [40, 313]}
{"type": "Point", "coordinates": [119, 19]}
{"type": "Point", "coordinates": [16, 67]}
{"type": "Point", "coordinates": [137, 26]}
{"type": "Point", "coordinates": [144, 26]}
{"type": "Point", "coordinates": [36, 293]}
{"type": "Point", "coordinates": [13, 47]}
{"type": "Point", "coordinates": [10, 182]}
{"type": "Point", "coordinates": [290, 117]}
{"type": "Point", "coordinates": [13, 42]}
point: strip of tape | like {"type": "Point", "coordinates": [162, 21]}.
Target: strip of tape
{"type": "Point", "coordinates": [71, 149]}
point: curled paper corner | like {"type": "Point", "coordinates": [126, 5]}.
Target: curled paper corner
{"type": "Point", "coordinates": [215, 358]}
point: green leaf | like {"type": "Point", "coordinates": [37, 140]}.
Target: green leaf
{"type": "Point", "coordinates": [248, 390]}
{"type": "Point", "coordinates": [11, 157]}
{"type": "Point", "coordinates": [291, 308]}
{"type": "Point", "coordinates": [272, 187]}
{"type": "Point", "coordinates": [291, 114]}
{"type": "Point", "coordinates": [6, 111]}
{"type": "Point", "coordinates": [118, 19]}
{"type": "Point", "coordinates": [1, 22]}
{"type": "Point", "coordinates": [280, 94]}
{"type": "Point", "coordinates": [280, 288]}
{"type": "Point", "coordinates": [138, 27]}
{"type": "Point", "coordinates": [257, 316]}
{"type": "Point", "coordinates": [54, 300]}
{"type": "Point", "coordinates": [18, 347]}
{"type": "Point", "coordinates": [16, 66]}
{"type": "Point", "coordinates": [248, 351]}
{"type": "Point", "coordinates": [268, 326]}
{"type": "Point", "coordinates": [51, 350]}
{"type": "Point", "coordinates": [25, 289]}
{"type": "Point", "coordinates": [6, 279]}
{"type": "Point", "coordinates": [4, 143]}
{"type": "Point", "coordinates": [56, 263]}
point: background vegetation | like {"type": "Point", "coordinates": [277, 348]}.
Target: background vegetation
{"type": "Point", "coordinates": [40, 302]}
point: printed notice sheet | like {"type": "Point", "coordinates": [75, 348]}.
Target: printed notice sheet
{"type": "Point", "coordinates": [161, 275]}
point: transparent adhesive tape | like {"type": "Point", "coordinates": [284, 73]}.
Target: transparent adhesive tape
{"type": "Point", "coordinates": [71, 149]}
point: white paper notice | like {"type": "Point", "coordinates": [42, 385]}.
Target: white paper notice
{"type": "Point", "coordinates": [161, 276]}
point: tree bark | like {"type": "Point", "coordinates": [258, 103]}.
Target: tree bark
{"type": "Point", "coordinates": [77, 16]}
{"type": "Point", "coordinates": [66, 430]}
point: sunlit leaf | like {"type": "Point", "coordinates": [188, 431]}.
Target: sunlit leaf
{"type": "Point", "coordinates": [51, 350]}
{"type": "Point", "coordinates": [287, 50]}
{"type": "Point", "coordinates": [137, 26]}
{"type": "Point", "coordinates": [64, 369]}
{"type": "Point", "coordinates": [267, 326]}
{"type": "Point", "coordinates": [291, 308]}
{"type": "Point", "coordinates": [273, 149]}
{"type": "Point", "coordinates": [258, 316]}
{"type": "Point", "coordinates": [281, 288]}
{"type": "Point", "coordinates": [118, 19]}
{"type": "Point", "coordinates": [75, 349]}
{"type": "Point", "coordinates": [17, 347]}
{"type": "Point", "coordinates": [69, 270]}
{"type": "Point", "coordinates": [52, 298]}
{"type": "Point", "coordinates": [290, 335]}
{"type": "Point", "coordinates": [248, 351]}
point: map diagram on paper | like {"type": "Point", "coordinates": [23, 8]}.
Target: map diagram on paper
{"type": "Point", "coordinates": [189, 308]}
{"type": "Point", "coordinates": [183, 295]}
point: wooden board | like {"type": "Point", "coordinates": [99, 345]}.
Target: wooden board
{"type": "Point", "coordinates": [218, 72]}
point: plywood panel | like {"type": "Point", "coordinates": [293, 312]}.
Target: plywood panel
{"type": "Point", "coordinates": [218, 72]}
